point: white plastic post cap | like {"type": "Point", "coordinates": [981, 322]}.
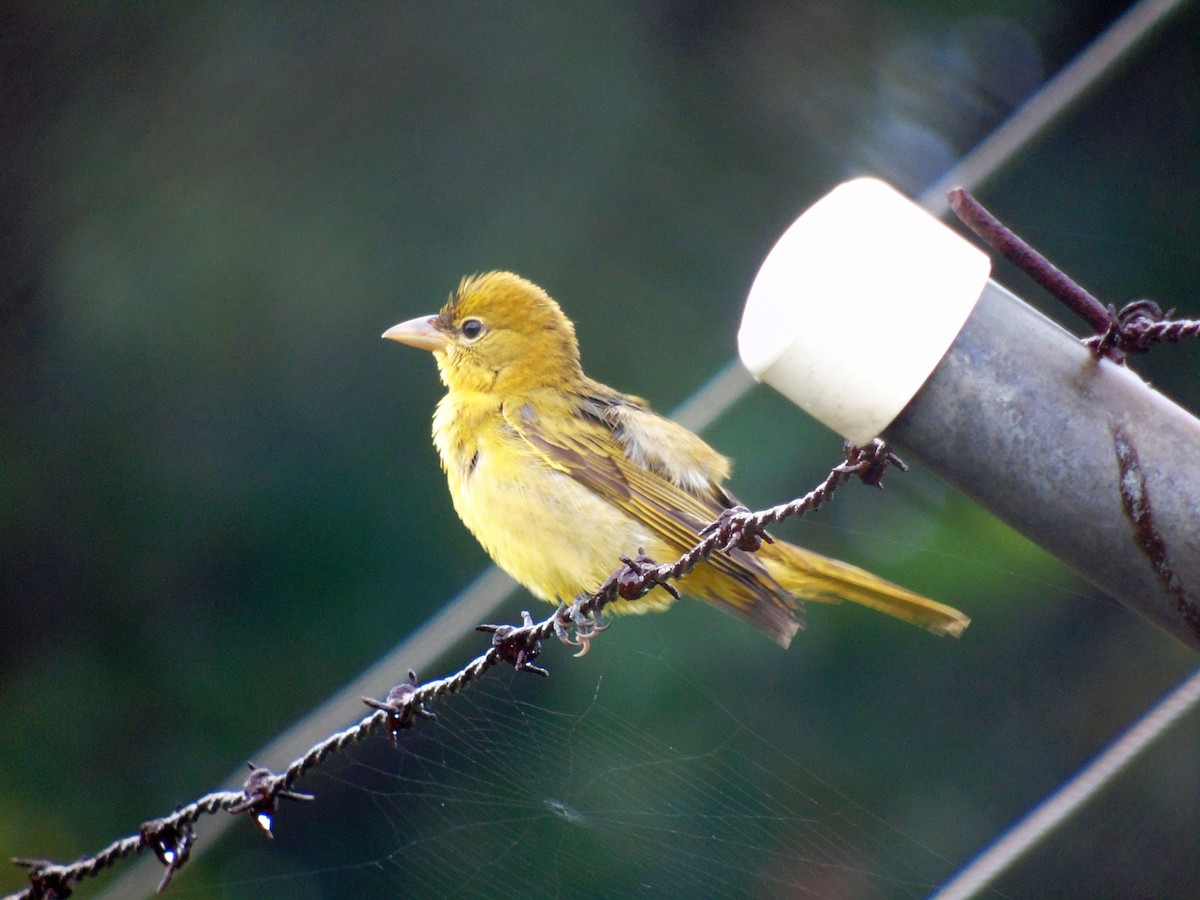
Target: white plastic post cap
{"type": "Point", "coordinates": [856, 305]}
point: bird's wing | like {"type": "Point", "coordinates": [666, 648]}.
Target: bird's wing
{"type": "Point", "coordinates": [597, 453]}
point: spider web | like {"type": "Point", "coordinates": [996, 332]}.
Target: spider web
{"type": "Point", "coordinates": [521, 790]}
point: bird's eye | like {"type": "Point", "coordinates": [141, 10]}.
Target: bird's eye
{"type": "Point", "coordinates": [472, 329]}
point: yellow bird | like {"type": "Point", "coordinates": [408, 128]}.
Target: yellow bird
{"type": "Point", "coordinates": [558, 475]}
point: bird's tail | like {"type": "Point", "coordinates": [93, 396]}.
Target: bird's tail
{"type": "Point", "coordinates": [811, 576]}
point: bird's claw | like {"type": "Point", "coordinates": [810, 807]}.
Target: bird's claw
{"type": "Point", "coordinates": [585, 619]}
{"type": "Point", "coordinates": [560, 629]}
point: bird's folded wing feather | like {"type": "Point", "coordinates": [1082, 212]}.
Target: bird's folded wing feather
{"type": "Point", "coordinates": [597, 453]}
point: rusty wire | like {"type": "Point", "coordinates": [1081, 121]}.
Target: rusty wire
{"type": "Point", "coordinates": [1134, 328]}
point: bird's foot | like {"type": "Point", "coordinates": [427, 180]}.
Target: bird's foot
{"type": "Point", "coordinates": [584, 618]}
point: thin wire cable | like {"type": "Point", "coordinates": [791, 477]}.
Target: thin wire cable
{"type": "Point", "coordinates": [725, 388]}
{"type": "Point", "coordinates": [1073, 794]}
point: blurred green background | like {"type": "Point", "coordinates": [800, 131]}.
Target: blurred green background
{"type": "Point", "coordinates": [219, 501]}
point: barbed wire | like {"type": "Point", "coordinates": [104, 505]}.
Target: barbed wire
{"type": "Point", "coordinates": [172, 837]}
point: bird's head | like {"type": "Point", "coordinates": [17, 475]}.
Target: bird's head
{"type": "Point", "coordinates": [498, 333]}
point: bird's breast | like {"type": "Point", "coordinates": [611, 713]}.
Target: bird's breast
{"type": "Point", "coordinates": [551, 533]}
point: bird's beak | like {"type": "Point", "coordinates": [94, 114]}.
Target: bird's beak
{"type": "Point", "coordinates": [418, 332]}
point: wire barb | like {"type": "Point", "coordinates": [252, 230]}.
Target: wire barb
{"type": "Point", "coordinates": [261, 795]}
{"type": "Point", "coordinates": [47, 879]}
{"type": "Point", "coordinates": [516, 645]}
{"type": "Point", "coordinates": [736, 529]}
{"type": "Point", "coordinates": [171, 842]}
{"type": "Point", "coordinates": [401, 707]}
{"type": "Point", "coordinates": [871, 462]}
